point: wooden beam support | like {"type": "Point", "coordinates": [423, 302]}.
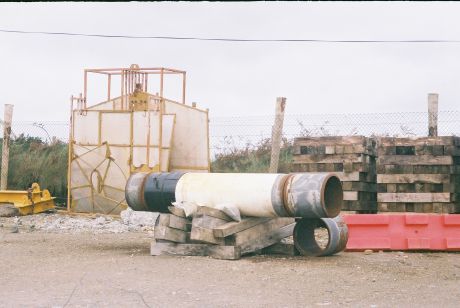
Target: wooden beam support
{"type": "Point", "coordinates": [235, 226]}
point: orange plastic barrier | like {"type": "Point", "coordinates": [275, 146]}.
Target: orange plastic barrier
{"type": "Point", "coordinates": [403, 232]}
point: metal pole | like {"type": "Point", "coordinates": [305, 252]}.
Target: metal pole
{"type": "Point", "coordinates": [6, 145]}
{"type": "Point", "coordinates": [85, 88]}
{"type": "Point", "coordinates": [122, 88]}
{"type": "Point", "coordinates": [109, 85]}
{"type": "Point", "coordinates": [69, 156]}
{"type": "Point", "coordinates": [183, 88]}
{"type": "Point", "coordinates": [277, 132]}
{"type": "Point", "coordinates": [433, 114]}
{"type": "Point", "coordinates": [161, 82]}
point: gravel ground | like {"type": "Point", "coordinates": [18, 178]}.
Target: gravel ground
{"type": "Point", "coordinates": [63, 223]}
{"type": "Point", "coordinates": [101, 265]}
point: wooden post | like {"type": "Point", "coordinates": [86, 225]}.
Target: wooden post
{"type": "Point", "coordinates": [6, 145]}
{"type": "Point", "coordinates": [433, 115]}
{"type": "Point", "coordinates": [277, 132]}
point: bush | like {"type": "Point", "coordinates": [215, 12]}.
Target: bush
{"type": "Point", "coordinates": [252, 158]}
{"type": "Point", "coordinates": [33, 160]}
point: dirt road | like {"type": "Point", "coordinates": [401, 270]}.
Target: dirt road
{"type": "Point", "coordinates": [40, 269]}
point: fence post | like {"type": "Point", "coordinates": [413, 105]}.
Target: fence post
{"type": "Point", "coordinates": [6, 145]}
{"type": "Point", "coordinates": [433, 114]}
{"type": "Point", "coordinates": [277, 132]}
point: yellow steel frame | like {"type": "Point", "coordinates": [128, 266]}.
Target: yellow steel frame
{"type": "Point", "coordinates": [129, 78]}
{"type": "Point", "coordinates": [29, 201]}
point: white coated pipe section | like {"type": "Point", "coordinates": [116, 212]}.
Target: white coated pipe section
{"type": "Point", "coordinates": [265, 195]}
{"type": "Point", "coordinates": [251, 193]}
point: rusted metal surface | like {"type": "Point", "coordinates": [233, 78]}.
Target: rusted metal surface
{"type": "Point", "coordinates": [134, 191]}
{"type": "Point", "coordinates": [313, 195]}
{"type": "Point", "coordinates": [278, 195]}
{"type": "Point", "coordinates": [306, 242]}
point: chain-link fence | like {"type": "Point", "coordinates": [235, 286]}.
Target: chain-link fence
{"type": "Point", "coordinates": [228, 133]}
{"type": "Point", "coordinates": [47, 131]}
{"type": "Point", "coordinates": [246, 131]}
{"type": "Point", "coordinates": [38, 150]}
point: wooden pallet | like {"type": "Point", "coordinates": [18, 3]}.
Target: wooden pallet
{"type": "Point", "coordinates": [430, 207]}
{"type": "Point", "coordinates": [212, 233]}
{"type": "Point", "coordinates": [335, 145]}
{"type": "Point", "coordinates": [419, 141]}
{"type": "Point", "coordinates": [418, 174]}
{"type": "Point", "coordinates": [414, 188]}
{"type": "Point", "coordinates": [342, 166]}
{"type": "Point", "coordinates": [361, 207]}
{"type": "Point", "coordinates": [352, 159]}
{"type": "Point", "coordinates": [418, 169]}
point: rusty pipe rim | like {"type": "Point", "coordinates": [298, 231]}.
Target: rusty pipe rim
{"type": "Point", "coordinates": [305, 240]}
{"type": "Point", "coordinates": [331, 195]}
{"type": "Point", "coordinates": [134, 191]}
{"type": "Point", "coordinates": [330, 191]}
{"type": "Point", "coordinates": [287, 181]}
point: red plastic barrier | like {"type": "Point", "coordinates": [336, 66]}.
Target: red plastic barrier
{"type": "Point", "coordinates": [403, 232]}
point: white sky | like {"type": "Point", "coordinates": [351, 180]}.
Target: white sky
{"type": "Point", "coordinates": [39, 73]}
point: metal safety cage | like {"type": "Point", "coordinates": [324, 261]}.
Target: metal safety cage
{"type": "Point", "coordinates": [129, 78]}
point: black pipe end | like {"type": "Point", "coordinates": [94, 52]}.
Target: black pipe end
{"type": "Point", "coordinates": [160, 190]}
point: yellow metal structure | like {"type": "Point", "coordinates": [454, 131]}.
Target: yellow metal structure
{"type": "Point", "coordinates": [136, 129]}
{"type": "Point", "coordinates": [29, 201]}
{"type": "Point", "coordinates": [139, 100]}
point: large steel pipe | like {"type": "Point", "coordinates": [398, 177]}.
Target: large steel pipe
{"type": "Point", "coordinates": [309, 195]}
{"type": "Point", "coordinates": [306, 241]}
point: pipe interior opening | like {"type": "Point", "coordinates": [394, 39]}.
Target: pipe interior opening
{"type": "Point", "coordinates": [333, 197]}
{"type": "Point", "coordinates": [322, 237]}
{"type": "Point", "coordinates": [311, 236]}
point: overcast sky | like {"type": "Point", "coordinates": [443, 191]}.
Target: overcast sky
{"type": "Point", "coordinates": [38, 73]}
